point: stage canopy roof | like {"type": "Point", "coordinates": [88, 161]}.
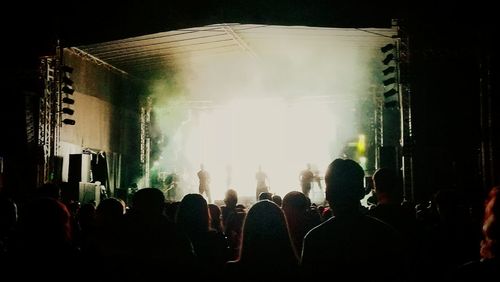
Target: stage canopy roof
{"type": "Point", "coordinates": [142, 55]}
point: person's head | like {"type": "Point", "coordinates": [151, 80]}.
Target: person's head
{"type": "Point", "coordinates": [193, 215]}
{"type": "Point", "coordinates": [277, 200]}
{"type": "Point", "coordinates": [215, 217]}
{"type": "Point", "coordinates": [344, 184]}
{"type": "Point", "coordinates": [385, 184]}
{"type": "Point", "coordinates": [265, 196]}
{"type": "Point", "coordinates": [109, 210]}
{"type": "Point", "coordinates": [265, 235]}
{"type": "Point", "coordinates": [46, 221]}
{"type": "Point", "coordinates": [149, 201]}
{"type": "Point", "coordinates": [231, 198]}
{"type": "Point", "coordinates": [295, 202]}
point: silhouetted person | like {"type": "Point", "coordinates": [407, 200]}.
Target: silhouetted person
{"type": "Point", "coordinates": [210, 246]}
{"type": "Point", "coordinates": [215, 218]}
{"type": "Point", "coordinates": [262, 185]}
{"type": "Point", "coordinates": [86, 222]}
{"type": "Point", "coordinates": [172, 182]}
{"type": "Point", "coordinates": [204, 187]}
{"type": "Point", "coordinates": [306, 177]}
{"type": "Point", "coordinates": [317, 178]}
{"type": "Point", "coordinates": [105, 243]}
{"type": "Point", "coordinates": [389, 209]}
{"type": "Point", "coordinates": [267, 252]}
{"type": "Point", "coordinates": [277, 200]}
{"type": "Point", "coordinates": [350, 243]}
{"type": "Point", "coordinates": [232, 221]}
{"type": "Point", "coordinates": [265, 196]}
{"type": "Point", "coordinates": [452, 227]}
{"type": "Point", "coordinates": [488, 267]}
{"type": "Point", "coordinates": [43, 243]}
{"type": "Point", "coordinates": [230, 200]}
{"type": "Point", "coordinates": [295, 207]}
{"type": "Point", "coordinates": [153, 242]}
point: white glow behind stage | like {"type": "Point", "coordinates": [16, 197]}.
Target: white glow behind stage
{"type": "Point", "coordinates": [234, 139]}
{"type": "Point", "coordinates": [295, 99]}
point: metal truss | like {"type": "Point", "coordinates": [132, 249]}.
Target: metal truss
{"type": "Point", "coordinates": [46, 116]}
{"type": "Point", "coordinates": [407, 137]}
{"type": "Point", "coordinates": [49, 115]}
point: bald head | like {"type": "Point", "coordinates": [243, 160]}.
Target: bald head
{"type": "Point", "coordinates": [344, 182]}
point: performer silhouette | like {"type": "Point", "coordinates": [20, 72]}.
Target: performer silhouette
{"type": "Point", "coordinates": [172, 182]}
{"type": "Point", "coordinates": [262, 183]}
{"type": "Point", "coordinates": [306, 177]}
{"type": "Point", "coordinates": [204, 187]}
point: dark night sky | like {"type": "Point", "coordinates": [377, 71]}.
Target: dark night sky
{"type": "Point", "coordinates": [34, 28]}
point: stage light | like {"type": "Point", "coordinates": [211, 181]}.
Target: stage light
{"type": "Point", "coordinates": [391, 74]}
{"type": "Point", "coordinates": [66, 90]}
{"type": "Point", "coordinates": [67, 100]}
{"type": "Point", "coordinates": [66, 81]}
{"type": "Point", "coordinates": [69, 121]}
{"type": "Point", "coordinates": [68, 111]}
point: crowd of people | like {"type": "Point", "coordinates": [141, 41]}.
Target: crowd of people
{"type": "Point", "coordinates": [276, 238]}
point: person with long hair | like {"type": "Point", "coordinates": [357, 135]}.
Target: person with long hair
{"type": "Point", "coordinates": [488, 267]}
{"type": "Point", "coordinates": [266, 249]}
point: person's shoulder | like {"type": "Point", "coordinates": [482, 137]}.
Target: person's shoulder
{"type": "Point", "coordinates": [319, 230]}
{"type": "Point", "coordinates": [477, 271]}
{"type": "Point", "coordinates": [377, 224]}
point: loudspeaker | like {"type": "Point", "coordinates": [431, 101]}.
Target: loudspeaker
{"type": "Point", "coordinates": [389, 157]}
{"type": "Point", "coordinates": [79, 168]}
{"type": "Point", "coordinates": [57, 164]}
